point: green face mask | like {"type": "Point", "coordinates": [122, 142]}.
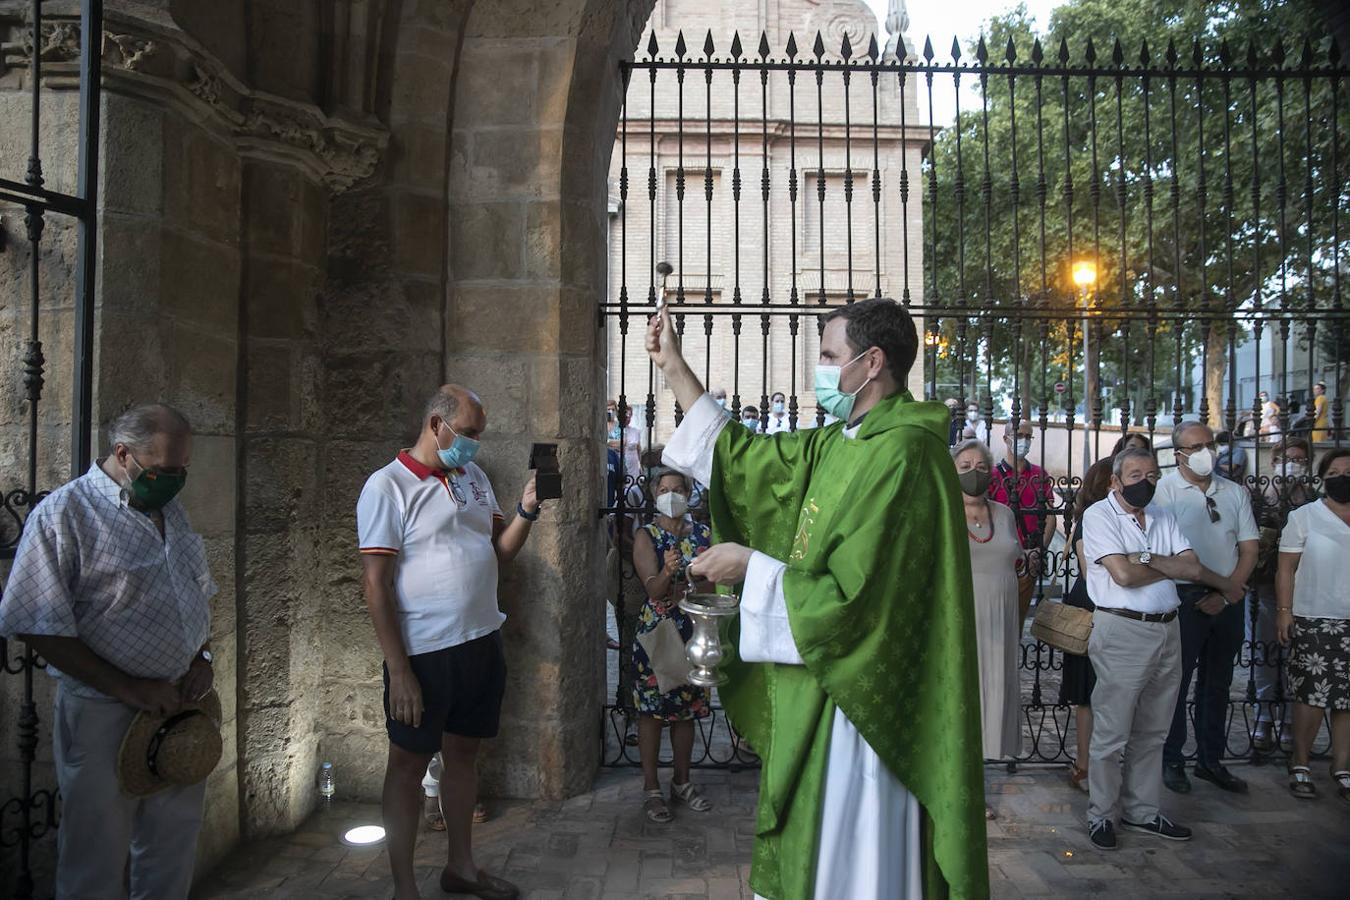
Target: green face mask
{"type": "Point", "coordinates": [152, 490]}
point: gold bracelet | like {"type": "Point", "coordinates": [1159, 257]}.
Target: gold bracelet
{"type": "Point", "coordinates": [1284, 609]}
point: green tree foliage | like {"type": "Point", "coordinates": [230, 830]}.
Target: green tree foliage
{"type": "Point", "coordinates": [1134, 173]}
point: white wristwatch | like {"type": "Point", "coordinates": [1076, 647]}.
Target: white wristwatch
{"type": "Point", "coordinates": [1145, 558]}
{"type": "Point", "coordinates": [207, 657]}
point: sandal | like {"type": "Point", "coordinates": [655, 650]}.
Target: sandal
{"type": "Point", "coordinates": [435, 821]}
{"type": "Point", "coordinates": [655, 807]}
{"type": "Point", "coordinates": [989, 814]}
{"type": "Point", "coordinates": [688, 795]}
{"type": "Point", "coordinates": [1301, 783]}
{"type": "Point", "coordinates": [1077, 776]}
{"type": "Point", "coordinates": [480, 814]}
{"type": "Point", "coordinates": [1342, 779]}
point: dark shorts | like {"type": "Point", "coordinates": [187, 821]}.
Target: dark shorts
{"type": "Point", "coordinates": [462, 689]}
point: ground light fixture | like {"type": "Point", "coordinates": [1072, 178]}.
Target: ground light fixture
{"type": "Point", "coordinates": [363, 835]}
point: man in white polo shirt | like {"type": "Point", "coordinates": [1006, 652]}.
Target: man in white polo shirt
{"type": "Point", "coordinates": [1134, 550]}
{"type": "Point", "coordinates": [1216, 517]}
{"type": "Point", "coordinates": [431, 536]}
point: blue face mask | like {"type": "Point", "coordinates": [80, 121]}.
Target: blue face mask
{"type": "Point", "coordinates": [460, 452]}
{"type": "Point", "coordinates": [779, 407]}
{"type": "Point", "coordinates": [831, 399]}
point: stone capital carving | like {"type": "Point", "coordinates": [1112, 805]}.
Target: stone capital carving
{"type": "Point", "coordinates": [160, 62]}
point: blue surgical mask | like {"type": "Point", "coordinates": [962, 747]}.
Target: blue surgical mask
{"type": "Point", "coordinates": [831, 399]}
{"type": "Point", "coordinates": [779, 407]}
{"type": "Point", "coordinates": [460, 452]}
{"type": "Point", "coordinates": [752, 424]}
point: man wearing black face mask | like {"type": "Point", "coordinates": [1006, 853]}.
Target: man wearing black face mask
{"type": "Point", "coordinates": [1134, 551]}
{"type": "Point", "coordinates": [118, 645]}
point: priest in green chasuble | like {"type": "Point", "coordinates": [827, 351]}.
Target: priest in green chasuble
{"type": "Point", "coordinates": [851, 668]}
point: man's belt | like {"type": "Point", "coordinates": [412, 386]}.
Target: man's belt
{"type": "Point", "coordinates": [1139, 616]}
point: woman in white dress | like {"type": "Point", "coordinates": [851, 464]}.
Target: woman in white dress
{"type": "Point", "coordinates": [995, 556]}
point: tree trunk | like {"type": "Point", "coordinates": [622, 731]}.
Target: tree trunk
{"type": "Point", "coordinates": [1216, 371]}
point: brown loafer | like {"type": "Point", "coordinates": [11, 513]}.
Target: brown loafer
{"type": "Point", "coordinates": [487, 887]}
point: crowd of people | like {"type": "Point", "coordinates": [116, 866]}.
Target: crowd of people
{"type": "Point", "coordinates": [860, 597]}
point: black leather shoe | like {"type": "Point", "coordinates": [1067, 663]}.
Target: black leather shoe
{"type": "Point", "coordinates": [1220, 776]}
{"type": "Point", "coordinates": [1174, 779]}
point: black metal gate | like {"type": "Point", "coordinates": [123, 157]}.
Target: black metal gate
{"type": "Point", "coordinates": [1197, 189]}
{"type": "Point", "coordinates": [31, 816]}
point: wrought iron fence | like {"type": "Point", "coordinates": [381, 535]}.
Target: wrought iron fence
{"type": "Point", "coordinates": [31, 815]}
{"type": "Point", "coordinates": [1198, 193]}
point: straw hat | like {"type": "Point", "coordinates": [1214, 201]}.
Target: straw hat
{"type": "Point", "coordinates": [159, 752]}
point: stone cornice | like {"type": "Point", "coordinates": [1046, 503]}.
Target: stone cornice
{"type": "Point", "coordinates": [161, 63]}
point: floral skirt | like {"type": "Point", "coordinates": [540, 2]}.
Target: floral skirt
{"type": "Point", "coordinates": [679, 704]}
{"type": "Point", "coordinates": [1319, 663]}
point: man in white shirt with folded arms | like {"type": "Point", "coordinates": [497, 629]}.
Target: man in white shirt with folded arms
{"type": "Point", "coordinates": [1134, 551]}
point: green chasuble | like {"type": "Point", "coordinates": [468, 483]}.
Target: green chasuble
{"type": "Point", "coordinates": [879, 600]}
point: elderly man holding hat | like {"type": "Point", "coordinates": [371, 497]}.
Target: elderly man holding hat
{"type": "Point", "coordinates": [110, 586]}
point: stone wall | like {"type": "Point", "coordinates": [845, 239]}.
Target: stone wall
{"type": "Point", "coordinates": [311, 216]}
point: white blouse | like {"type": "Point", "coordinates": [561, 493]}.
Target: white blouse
{"type": "Point", "coordinates": [1321, 590]}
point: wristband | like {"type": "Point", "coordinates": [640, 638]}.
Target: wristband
{"type": "Point", "coordinates": [528, 517]}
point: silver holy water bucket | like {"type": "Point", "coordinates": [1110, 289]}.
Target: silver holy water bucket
{"type": "Point", "coordinates": [704, 649]}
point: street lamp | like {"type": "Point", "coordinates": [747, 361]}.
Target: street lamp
{"type": "Point", "coordinates": [1085, 278]}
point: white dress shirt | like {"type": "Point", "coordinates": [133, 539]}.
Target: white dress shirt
{"type": "Point", "coordinates": [1216, 543]}
{"type": "Point", "coordinates": [868, 814]}
{"type": "Point", "coordinates": [1109, 530]}
{"type": "Point", "coordinates": [91, 567]}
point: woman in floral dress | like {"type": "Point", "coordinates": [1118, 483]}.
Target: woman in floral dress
{"type": "Point", "coordinates": [661, 552]}
{"type": "Point", "coordinates": [1313, 618]}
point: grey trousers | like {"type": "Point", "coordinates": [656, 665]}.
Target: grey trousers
{"type": "Point", "coordinates": [1138, 667]}
{"type": "Point", "coordinates": [101, 828]}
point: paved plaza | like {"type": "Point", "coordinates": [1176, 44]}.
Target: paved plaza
{"type": "Point", "coordinates": [598, 846]}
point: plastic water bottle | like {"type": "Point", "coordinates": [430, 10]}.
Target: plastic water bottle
{"type": "Point", "coordinates": [326, 784]}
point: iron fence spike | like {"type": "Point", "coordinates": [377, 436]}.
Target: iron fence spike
{"type": "Point", "coordinates": [818, 48]}
{"type": "Point", "coordinates": [928, 49]}
{"type": "Point", "coordinates": [1010, 54]}
{"type": "Point", "coordinates": [792, 46]}
{"type": "Point", "coordinates": [1063, 51]}
{"type": "Point", "coordinates": [1307, 59]}
{"type": "Point", "coordinates": [652, 47]}
{"type": "Point", "coordinates": [1225, 53]}
{"type": "Point", "coordinates": [982, 51]}
{"type": "Point", "coordinates": [1253, 56]}
{"type": "Point", "coordinates": [1197, 53]}
{"type": "Point", "coordinates": [1090, 53]}
{"type": "Point", "coordinates": [680, 47]}
{"type": "Point", "coordinates": [1278, 53]}
{"type": "Point", "coordinates": [1171, 54]}
{"type": "Point", "coordinates": [846, 49]}
{"type": "Point", "coordinates": [763, 45]}
{"type": "Point", "coordinates": [1144, 55]}
{"type": "Point", "coordinates": [873, 51]}
{"type": "Point", "coordinates": [1037, 52]}
{"type": "Point", "coordinates": [1118, 53]}
{"type": "Point", "coordinates": [956, 50]}
{"type": "Point", "coordinates": [736, 50]}
{"type": "Point", "coordinates": [708, 48]}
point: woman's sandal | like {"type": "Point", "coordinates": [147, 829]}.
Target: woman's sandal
{"type": "Point", "coordinates": [688, 795]}
{"type": "Point", "coordinates": [1342, 779]}
{"type": "Point", "coordinates": [480, 814]}
{"type": "Point", "coordinates": [435, 821]}
{"type": "Point", "coordinates": [1301, 783]}
{"type": "Point", "coordinates": [655, 807]}
{"type": "Point", "coordinates": [1077, 776]}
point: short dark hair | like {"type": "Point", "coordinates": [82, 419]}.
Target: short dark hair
{"type": "Point", "coordinates": [749, 410]}
{"type": "Point", "coordinates": [776, 394]}
{"type": "Point", "coordinates": [1331, 457]}
{"type": "Point", "coordinates": [1289, 443]}
{"type": "Point", "coordinates": [881, 322]}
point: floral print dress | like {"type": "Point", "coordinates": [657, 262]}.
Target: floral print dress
{"type": "Point", "coordinates": [686, 701]}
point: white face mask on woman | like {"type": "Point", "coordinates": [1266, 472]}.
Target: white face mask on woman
{"type": "Point", "coordinates": [673, 505]}
{"type": "Point", "coordinates": [1293, 468]}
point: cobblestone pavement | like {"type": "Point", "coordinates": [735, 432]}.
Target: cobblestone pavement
{"type": "Point", "coordinates": [1265, 844]}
